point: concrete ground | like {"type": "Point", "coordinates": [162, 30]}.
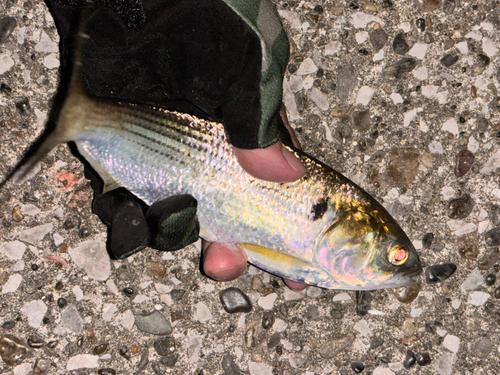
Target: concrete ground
{"type": "Point", "coordinates": [400, 96]}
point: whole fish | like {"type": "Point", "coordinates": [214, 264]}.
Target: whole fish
{"type": "Point", "coordinates": [321, 230]}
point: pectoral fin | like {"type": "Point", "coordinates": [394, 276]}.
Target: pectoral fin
{"type": "Point", "coordinates": [265, 256]}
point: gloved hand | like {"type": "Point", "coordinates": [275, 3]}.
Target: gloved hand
{"type": "Point", "coordinates": [221, 60]}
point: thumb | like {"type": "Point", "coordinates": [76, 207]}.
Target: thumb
{"type": "Point", "coordinates": [274, 163]}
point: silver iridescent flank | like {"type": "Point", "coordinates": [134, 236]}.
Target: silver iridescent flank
{"type": "Point", "coordinates": [322, 229]}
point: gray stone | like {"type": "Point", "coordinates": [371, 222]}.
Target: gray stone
{"type": "Point", "coordinates": [71, 319]}
{"type": "Point", "coordinates": [154, 323]}
{"type": "Point", "coordinates": [400, 68]}
{"type": "Point", "coordinates": [331, 348]}
{"type": "Point", "coordinates": [378, 37]}
{"type": "Point", "coordinates": [229, 366]}
{"type": "Point", "coordinates": [233, 300]}
{"type": "Point", "coordinates": [448, 60]}
{"type": "Point", "coordinates": [482, 348]}
{"type": "Point", "coordinates": [346, 81]}
{"type": "Point", "coordinates": [362, 120]}
{"type": "Point", "coordinates": [403, 166]}
{"type": "Point", "coordinates": [164, 346]}
{"type": "Point", "coordinates": [492, 237]}
{"type": "Point", "coordinates": [7, 26]}
{"type": "Point", "coordinates": [399, 44]}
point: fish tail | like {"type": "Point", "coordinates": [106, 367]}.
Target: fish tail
{"type": "Point", "coordinates": [70, 122]}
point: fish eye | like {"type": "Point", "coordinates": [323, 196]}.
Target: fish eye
{"type": "Point", "coordinates": [397, 255]}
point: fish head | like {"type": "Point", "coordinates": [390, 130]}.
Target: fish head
{"type": "Point", "coordinates": [365, 249]}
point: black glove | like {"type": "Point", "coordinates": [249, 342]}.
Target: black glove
{"type": "Point", "coordinates": [203, 57]}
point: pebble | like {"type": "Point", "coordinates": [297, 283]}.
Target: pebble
{"type": "Point", "coordinates": [452, 343]}
{"type": "Point", "coordinates": [474, 280]}
{"type": "Point", "coordinates": [157, 269]}
{"type": "Point", "coordinates": [35, 234]}
{"type": "Point", "coordinates": [494, 215]}
{"type": "Point", "coordinates": [12, 350]}
{"type": "Point", "coordinates": [490, 279]}
{"type": "Point", "coordinates": [233, 300]}
{"type": "Point", "coordinates": [439, 272]}
{"type": "Point", "coordinates": [399, 44]}
{"type": "Point", "coordinates": [71, 319]}
{"type": "Point", "coordinates": [7, 26]}
{"type": "Point", "coordinates": [418, 50]}
{"type": "Point", "coordinates": [41, 366]}
{"type": "Point", "coordinates": [203, 313]}
{"type": "Point", "coordinates": [423, 359]}
{"type": "Point", "coordinates": [448, 60]}
{"type": "Point", "coordinates": [268, 319]}
{"type": "Point", "coordinates": [106, 371]}
{"type": "Point", "coordinates": [461, 207]}
{"type": "Point", "coordinates": [164, 346]}
{"type": "Point", "coordinates": [170, 360]}
{"type": "Point", "coordinates": [157, 369]}
{"type": "Point", "coordinates": [329, 349]}
{"type": "Point", "coordinates": [154, 323]}
{"type": "Point", "coordinates": [82, 361]}
{"type": "Point", "coordinates": [12, 283]}
{"type": "Point", "coordinates": [496, 293]}
{"type": "Point", "coordinates": [478, 298]}
{"type": "Point", "coordinates": [143, 362]}
{"type": "Point", "coordinates": [410, 359]}
{"type": "Point", "coordinates": [482, 348]}
{"type": "Point", "coordinates": [229, 366]}
{"type": "Point", "coordinates": [9, 324]}
{"type": "Point", "coordinates": [6, 62]}
{"type": "Point", "coordinates": [362, 120]}
{"type": "Point", "coordinates": [420, 23]}
{"type": "Point", "coordinates": [403, 166]}
{"type": "Point", "coordinates": [378, 38]}
{"type": "Point", "coordinates": [93, 257]}
{"type": "Point", "coordinates": [13, 250]}
{"type": "Point", "coordinates": [346, 81]}
{"type": "Point", "coordinates": [492, 237]}
{"type": "Point", "coordinates": [427, 240]}
{"type": "Point", "coordinates": [463, 162]}
{"type": "Point", "coordinates": [35, 342]}
{"type": "Point", "coordinates": [430, 5]}
{"type": "Point", "coordinates": [35, 312]}
{"type": "Point", "coordinates": [489, 259]}
{"type": "Point", "coordinates": [357, 367]}
{"type": "Point", "coordinates": [100, 349]}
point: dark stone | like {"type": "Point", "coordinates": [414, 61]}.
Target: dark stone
{"type": "Point", "coordinates": [170, 360]}
{"type": "Point", "coordinates": [423, 359]}
{"type": "Point", "coordinates": [461, 207]}
{"type": "Point", "coordinates": [157, 369]}
{"type": "Point", "coordinates": [492, 237]}
{"type": "Point", "coordinates": [7, 26]}
{"type": "Point", "coordinates": [363, 302]}
{"type": "Point", "coordinates": [229, 366]}
{"type": "Point", "coordinates": [376, 342]}
{"type": "Point", "coordinates": [482, 348]}
{"type": "Point", "coordinates": [410, 359]}
{"type": "Point", "coordinates": [268, 319]}
{"type": "Point", "coordinates": [489, 259]}
{"type": "Point", "coordinates": [154, 323]}
{"type": "Point", "coordinates": [378, 37]}
{"type": "Point", "coordinates": [408, 294]}
{"type": "Point", "coordinates": [427, 240]}
{"type": "Point", "coordinates": [362, 121]}
{"type": "Point", "coordinates": [357, 367]}
{"type": "Point", "coordinates": [494, 215]}
{"type": "Point", "coordinates": [483, 59]}
{"type": "Point", "coordinates": [177, 294]}
{"type": "Point", "coordinates": [490, 279]}
{"type": "Point", "coordinates": [430, 5]}
{"type": "Point", "coordinates": [439, 272]}
{"type": "Point", "coordinates": [496, 293]}
{"type": "Point", "coordinates": [143, 362]}
{"type": "Point", "coordinates": [274, 340]}
{"type": "Point", "coordinates": [233, 300]}
{"type": "Point", "coordinates": [448, 60]}
{"type": "Point", "coordinates": [106, 371]}
{"type": "Point", "coordinates": [23, 106]}
{"type": "Point", "coordinates": [403, 166]}
{"type": "Point", "coordinates": [100, 349]}
{"type": "Point", "coordinates": [420, 22]}
{"type": "Point", "coordinates": [346, 81]}
{"type": "Point", "coordinates": [448, 6]}
{"type": "Point", "coordinates": [463, 162]}
{"type": "Point", "coordinates": [9, 324]}
{"type": "Point", "coordinates": [128, 291]}
{"type": "Point", "coordinates": [5, 89]}
{"type": "Point", "coordinates": [400, 68]}
{"type": "Point", "coordinates": [164, 346]}
{"type": "Point", "coordinates": [399, 44]}
{"type": "Point", "coordinates": [12, 350]}
{"type": "Point", "coordinates": [35, 342]}
{"type": "Point", "coordinates": [61, 302]}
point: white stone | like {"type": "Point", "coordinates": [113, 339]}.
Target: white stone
{"type": "Point", "coordinates": [360, 19]}
{"type": "Point", "coordinates": [6, 62]}
{"type": "Point", "coordinates": [51, 61]}
{"type": "Point", "coordinates": [435, 147]}
{"type": "Point", "coordinates": [395, 366]}
{"type": "Point", "coordinates": [297, 359]}
{"type": "Point", "coordinates": [478, 298]}
{"type": "Point", "coordinates": [77, 291]}
{"type": "Point", "coordinates": [333, 47]}
{"type": "Point", "coordinates": [267, 302]}
{"type": "Point", "coordinates": [476, 35]}
{"type": "Point", "coordinates": [140, 298]}
{"type": "Point", "coordinates": [456, 303]}
{"type": "Point", "coordinates": [489, 47]}
{"type": "Point", "coordinates": [451, 126]}
{"type": "Point", "coordinates": [108, 311]}
{"type": "Point", "coordinates": [363, 327]}
{"type": "Point", "coordinates": [18, 266]}
{"type": "Point", "coordinates": [365, 95]}
{"type": "Point", "coordinates": [361, 36]}
{"type": "Point", "coordinates": [473, 144]}
{"type": "Point", "coordinates": [46, 45]}
{"type": "Point", "coordinates": [307, 82]}
{"type": "Point", "coordinates": [405, 199]}
{"type": "Point", "coordinates": [383, 371]}
{"type": "Point", "coordinates": [21, 32]}
{"type": "Point", "coordinates": [328, 132]}
{"type": "Point", "coordinates": [320, 99]}
{"type": "Point", "coordinates": [92, 256]}
{"type": "Point", "coordinates": [409, 116]}
{"type": "Point", "coordinates": [455, 224]}
{"type": "Point", "coordinates": [429, 91]}
{"type": "Point", "coordinates": [12, 283]}
{"type": "Point", "coordinates": [290, 295]}
{"type": "Point", "coordinates": [23, 369]}
{"type": "Point", "coordinates": [30, 209]}
{"type": "Point", "coordinates": [193, 350]}
{"type": "Point", "coordinates": [112, 286]}
{"type": "Point", "coordinates": [342, 296]}
{"type": "Point", "coordinates": [314, 291]}
{"type": "Point", "coordinates": [423, 126]}
{"type": "Point", "coordinates": [34, 311]}
{"type": "Point", "coordinates": [420, 73]}
{"type": "Point", "coordinates": [418, 50]}
{"type": "Point", "coordinates": [379, 55]}
{"type": "Point", "coordinates": [162, 288]}
{"type": "Point", "coordinates": [13, 250]}
{"type": "Point", "coordinates": [257, 368]}
{"type": "Point", "coordinates": [290, 104]}
{"type": "Point", "coordinates": [452, 343]}
{"type": "Point", "coordinates": [417, 244]}
{"type": "Point", "coordinates": [58, 239]}
{"type": "Point", "coordinates": [443, 364]}
{"type": "Point", "coordinates": [126, 319]}
{"type": "Point", "coordinates": [483, 226]}
{"type": "Point", "coordinates": [463, 48]}
{"type": "Point", "coordinates": [396, 98]}
{"type": "Point", "coordinates": [466, 229]}
{"type": "Point", "coordinates": [375, 312]}
{"type": "Point", "coordinates": [492, 165]}
{"type": "Point", "coordinates": [82, 361]}
{"type": "Point", "coordinates": [203, 313]}
{"type": "Point", "coordinates": [32, 235]}
{"type": "Point", "coordinates": [447, 192]}
{"type": "Point", "coordinates": [167, 255]}
{"type": "Point", "coordinates": [307, 67]}
{"type": "Point", "coordinates": [279, 325]}
{"type": "Point", "coordinates": [415, 312]}
{"type": "Point", "coordinates": [474, 280]}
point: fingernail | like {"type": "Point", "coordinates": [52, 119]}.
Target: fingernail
{"type": "Point", "coordinates": [292, 160]}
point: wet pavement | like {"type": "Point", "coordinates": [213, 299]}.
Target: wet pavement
{"type": "Point", "coordinates": [401, 97]}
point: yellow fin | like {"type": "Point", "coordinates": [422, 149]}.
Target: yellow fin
{"type": "Point", "coordinates": [272, 255]}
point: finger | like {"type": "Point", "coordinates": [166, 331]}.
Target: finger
{"type": "Point", "coordinates": [295, 285]}
{"type": "Point", "coordinates": [223, 262]}
{"type": "Point", "coordinates": [290, 130]}
{"type": "Point", "coordinates": [274, 163]}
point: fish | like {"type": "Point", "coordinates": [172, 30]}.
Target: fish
{"type": "Point", "coordinates": [322, 229]}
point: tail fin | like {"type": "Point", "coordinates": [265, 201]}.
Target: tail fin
{"type": "Point", "coordinates": [56, 132]}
